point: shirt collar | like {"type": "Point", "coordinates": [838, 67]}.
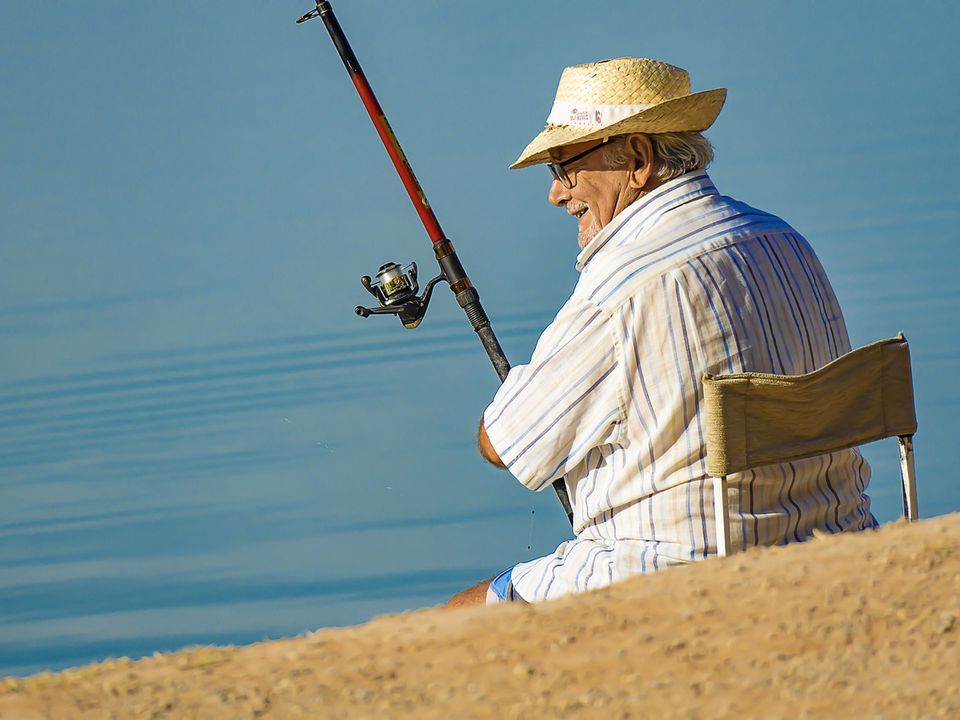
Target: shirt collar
{"type": "Point", "coordinates": [666, 197]}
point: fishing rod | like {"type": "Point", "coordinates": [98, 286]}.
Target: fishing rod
{"type": "Point", "coordinates": [396, 287]}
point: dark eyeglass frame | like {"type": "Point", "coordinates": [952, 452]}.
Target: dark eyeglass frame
{"type": "Point", "coordinates": [559, 169]}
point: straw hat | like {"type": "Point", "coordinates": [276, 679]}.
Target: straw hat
{"type": "Point", "coordinates": [614, 97]}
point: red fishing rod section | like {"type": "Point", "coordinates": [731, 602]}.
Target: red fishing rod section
{"type": "Point", "coordinates": [452, 270]}
{"type": "Point", "coordinates": [372, 105]}
{"type": "Point", "coordinates": [410, 182]}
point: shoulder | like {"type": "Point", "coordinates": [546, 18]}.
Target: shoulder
{"type": "Point", "coordinates": [635, 265]}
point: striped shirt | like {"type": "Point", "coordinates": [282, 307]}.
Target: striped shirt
{"type": "Point", "coordinates": [682, 282]}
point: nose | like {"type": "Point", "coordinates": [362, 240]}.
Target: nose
{"type": "Point", "coordinates": [558, 195]}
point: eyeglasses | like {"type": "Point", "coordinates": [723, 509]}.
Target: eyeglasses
{"type": "Point", "coordinates": [558, 169]}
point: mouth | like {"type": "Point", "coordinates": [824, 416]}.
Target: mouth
{"type": "Point", "coordinates": [578, 210]}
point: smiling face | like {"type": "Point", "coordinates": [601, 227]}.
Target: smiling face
{"type": "Point", "coordinates": [599, 191]}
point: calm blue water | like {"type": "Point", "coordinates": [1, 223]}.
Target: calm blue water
{"type": "Point", "coordinates": [199, 442]}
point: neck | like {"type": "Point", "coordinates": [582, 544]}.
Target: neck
{"type": "Point", "coordinates": [631, 194]}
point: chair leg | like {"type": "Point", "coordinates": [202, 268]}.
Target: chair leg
{"type": "Point", "coordinates": [721, 511]}
{"type": "Point", "coordinates": [908, 478]}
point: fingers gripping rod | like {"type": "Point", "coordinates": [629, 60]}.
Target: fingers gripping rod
{"type": "Point", "coordinates": [450, 266]}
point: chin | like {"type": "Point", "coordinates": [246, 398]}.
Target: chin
{"type": "Point", "coordinates": [584, 238]}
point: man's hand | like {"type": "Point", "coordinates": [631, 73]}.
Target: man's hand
{"type": "Point", "coordinates": [486, 448]}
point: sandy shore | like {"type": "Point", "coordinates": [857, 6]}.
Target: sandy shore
{"type": "Point", "coordinates": [862, 625]}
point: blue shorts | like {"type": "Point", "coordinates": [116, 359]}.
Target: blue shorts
{"type": "Point", "coordinates": [501, 589]}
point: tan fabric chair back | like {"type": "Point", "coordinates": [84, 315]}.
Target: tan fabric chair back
{"type": "Point", "coordinates": [756, 419]}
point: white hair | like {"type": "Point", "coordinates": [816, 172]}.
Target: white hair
{"type": "Point", "coordinates": [675, 153]}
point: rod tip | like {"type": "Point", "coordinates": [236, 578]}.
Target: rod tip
{"type": "Point", "coordinates": [308, 16]}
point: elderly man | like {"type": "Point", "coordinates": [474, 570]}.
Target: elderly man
{"type": "Point", "coordinates": [675, 280]}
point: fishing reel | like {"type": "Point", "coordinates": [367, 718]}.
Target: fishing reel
{"type": "Point", "coordinates": [395, 289]}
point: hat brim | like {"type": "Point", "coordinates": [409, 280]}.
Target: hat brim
{"type": "Point", "coordinates": [689, 113]}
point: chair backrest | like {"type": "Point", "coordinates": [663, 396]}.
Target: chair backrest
{"type": "Point", "coordinates": [755, 419]}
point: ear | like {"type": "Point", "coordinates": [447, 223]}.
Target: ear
{"type": "Point", "coordinates": [641, 147]}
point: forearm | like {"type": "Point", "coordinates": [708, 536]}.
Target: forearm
{"type": "Point", "coordinates": [486, 447]}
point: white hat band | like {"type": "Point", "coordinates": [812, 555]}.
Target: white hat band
{"type": "Point", "coordinates": [591, 115]}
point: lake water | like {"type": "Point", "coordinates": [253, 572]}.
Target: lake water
{"type": "Point", "coordinates": [229, 492]}
{"type": "Point", "coordinates": [202, 444]}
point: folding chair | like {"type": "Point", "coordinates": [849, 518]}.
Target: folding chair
{"type": "Point", "coordinates": [757, 419]}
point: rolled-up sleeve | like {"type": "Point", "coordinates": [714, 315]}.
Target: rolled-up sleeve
{"type": "Point", "coordinates": [568, 399]}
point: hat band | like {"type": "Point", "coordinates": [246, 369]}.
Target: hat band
{"type": "Point", "coordinates": [591, 115]}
